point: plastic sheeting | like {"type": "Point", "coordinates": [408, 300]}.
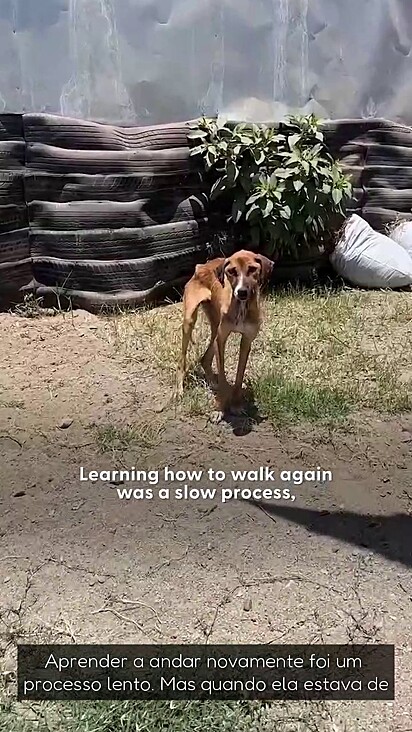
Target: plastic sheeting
{"type": "Point", "coordinates": [156, 61]}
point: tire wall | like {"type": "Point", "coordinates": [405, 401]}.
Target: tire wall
{"type": "Point", "coordinates": [16, 273]}
{"type": "Point", "coordinates": [116, 215]}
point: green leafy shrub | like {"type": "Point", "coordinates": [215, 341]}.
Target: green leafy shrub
{"type": "Point", "coordinates": [280, 185]}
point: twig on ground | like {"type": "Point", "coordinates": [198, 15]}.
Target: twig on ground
{"type": "Point", "coordinates": [13, 439]}
{"type": "Point", "coordinates": [272, 518]}
{"type": "Point", "coordinates": [208, 511]}
{"type": "Point", "coordinates": [69, 630]}
{"type": "Point", "coordinates": [76, 569]}
{"type": "Point", "coordinates": [12, 556]}
{"type": "Point", "coordinates": [120, 616]}
{"type": "Point", "coordinates": [169, 520]}
{"type": "Point", "coordinates": [343, 343]}
{"type": "Point", "coordinates": [139, 603]}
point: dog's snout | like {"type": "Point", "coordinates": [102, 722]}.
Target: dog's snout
{"type": "Point", "coordinates": [242, 293]}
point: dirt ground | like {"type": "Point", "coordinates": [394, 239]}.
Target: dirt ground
{"type": "Point", "coordinates": [332, 566]}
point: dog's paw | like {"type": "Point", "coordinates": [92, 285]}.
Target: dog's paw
{"type": "Point", "coordinates": [178, 392]}
{"type": "Point", "coordinates": [216, 416]}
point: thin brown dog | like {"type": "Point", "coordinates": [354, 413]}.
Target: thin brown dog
{"type": "Point", "coordinates": [229, 292]}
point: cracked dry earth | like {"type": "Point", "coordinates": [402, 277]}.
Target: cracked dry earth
{"type": "Point", "coordinates": [333, 566]}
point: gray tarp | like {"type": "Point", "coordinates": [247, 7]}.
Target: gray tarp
{"type": "Point", "coordinates": [155, 61]}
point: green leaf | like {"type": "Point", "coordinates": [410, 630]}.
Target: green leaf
{"type": "Point", "coordinates": [199, 150]}
{"type": "Point", "coordinates": [286, 212]}
{"type": "Point", "coordinates": [232, 172]}
{"type": "Point", "coordinates": [292, 159]}
{"type": "Point", "coordinates": [253, 198]}
{"type": "Point", "coordinates": [238, 208]}
{"type": "Point", "coordinates": [337, 196]}
{"type": "Point", "coordinates": [259, 156]}
{"type": "Point", "coordinates": [220, 123]}
{"type": "Point", "coordinates": [197, 135]}
{"type": "Point", "coordinates": [211, 156]}
{"type": "Point", "coordinates": [293, 140]}
{"type": "Point", "coordinates": [253, 210]}
{"type": "Point", "coordinates": [268, 208]}
{"type": "Point", "coordinates": [218, 187]}
{"type": "Point", "coordinates": [283, 173]}
{"type": "Point", "coordinates": [316, 150]}
{"type": "Point", "coordinates": [298, 184]}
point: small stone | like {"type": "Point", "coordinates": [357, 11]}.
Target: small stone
{"type": "Point", "coordinates": [65, 424]}
{"type": "Point", "coordinates": [19, 494]}
{"type": "Point", "coordinates": [247, 605]}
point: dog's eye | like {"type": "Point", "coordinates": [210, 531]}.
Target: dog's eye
{"type": "Point", "coordinates": [252, 270]}
{"type": "Point", "coordinates": [232, 271]}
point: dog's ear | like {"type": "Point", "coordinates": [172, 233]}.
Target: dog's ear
{"type": "Point", "coordinates": [266, 268]}
{"type": "Point", "coordinates": [220, 272]}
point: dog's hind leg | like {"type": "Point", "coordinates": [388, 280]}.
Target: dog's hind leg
{"type": "Point", "coordinates": [207, 358]}
{"type": "Point", "coordinates": [194, 295]}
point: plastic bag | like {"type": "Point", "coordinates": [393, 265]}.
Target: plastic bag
{"type": "Point", "coordinates": [402, 234]}
{"type": "Point", "coordinates": [368, 259]}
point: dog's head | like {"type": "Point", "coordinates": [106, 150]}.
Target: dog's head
{"type": "Point", "coordinates": [247, 272]}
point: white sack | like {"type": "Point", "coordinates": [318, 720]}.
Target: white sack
{"type": "Point", "coordinates": [402, 234]}
{"type": "Point", "coordinates": [368, 259]}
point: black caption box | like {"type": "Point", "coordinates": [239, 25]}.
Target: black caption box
{"type": "Point", "coordinates": [193, 672]}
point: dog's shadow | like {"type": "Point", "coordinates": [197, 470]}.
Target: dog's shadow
{"type": "Point", "coordinates": [244, 418]}
{"type": "Point", "coordinates": [247, 417]}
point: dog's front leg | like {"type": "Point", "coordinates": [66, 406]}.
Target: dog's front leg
{"type": "Point", "coordinates": [245, 346]}
{"type": "Point", "coordinates": [223, 387]}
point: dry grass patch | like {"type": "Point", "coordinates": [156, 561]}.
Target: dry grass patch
{"type": "Point", "coordinates": [163, 716]}
{"type": "Point", "coordinates": [114, 438]}
{"type": "Point", "coordinates": [320, 355]}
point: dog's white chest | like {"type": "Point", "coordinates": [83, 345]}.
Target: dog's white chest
{"type": "Point", "coordinates": [245, 327]}
{"type": "Point", "coordinates": [238, 320]}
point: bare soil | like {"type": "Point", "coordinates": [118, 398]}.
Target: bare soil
{"type": "Point", "coordinates": [332, 566]}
